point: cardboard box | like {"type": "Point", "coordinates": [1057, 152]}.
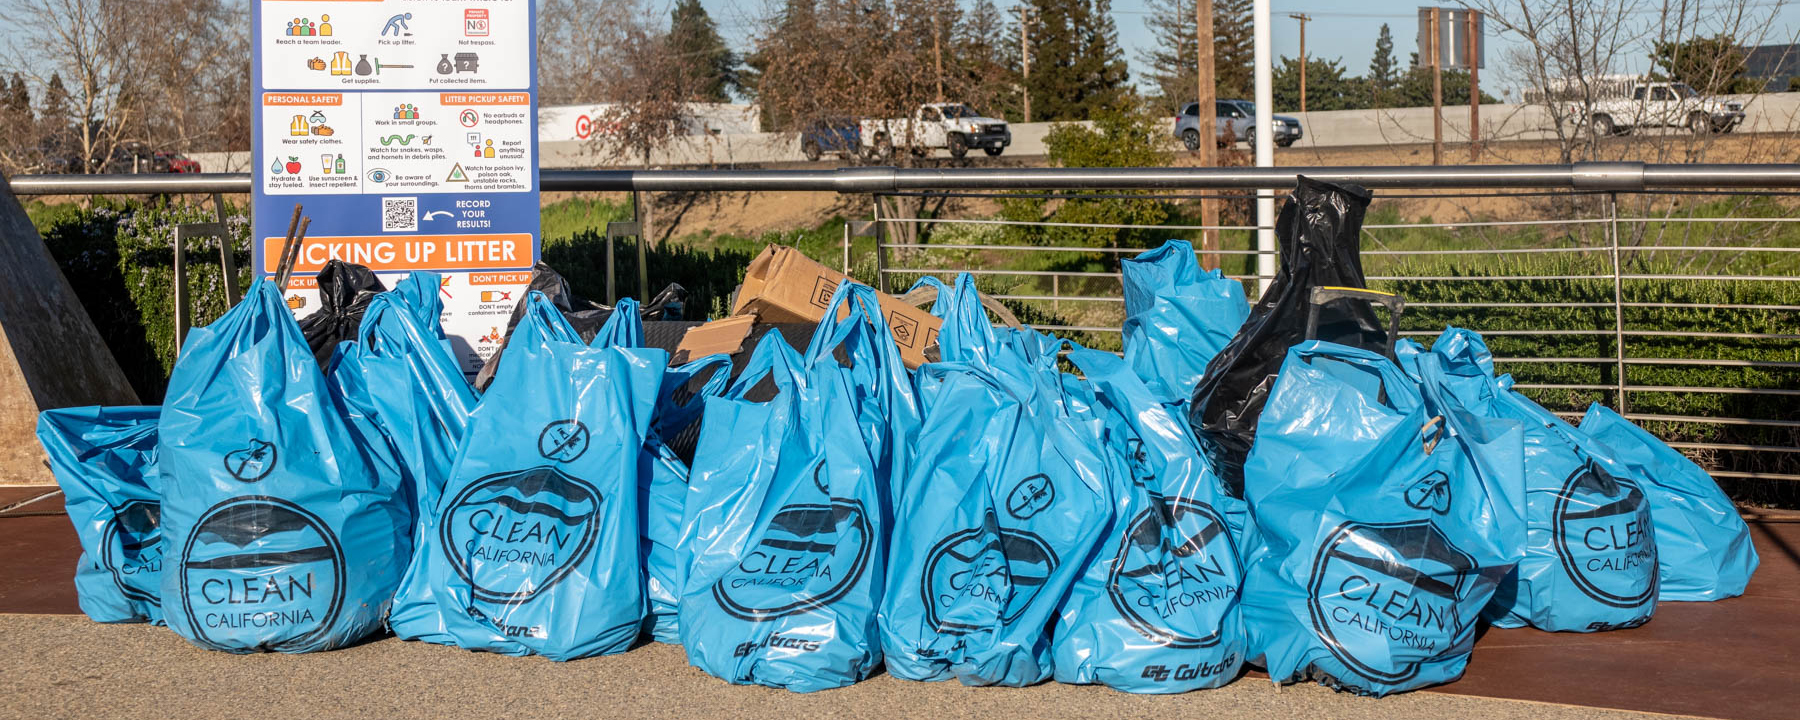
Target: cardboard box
{"type": "Point", "coordinates": [783, 285]}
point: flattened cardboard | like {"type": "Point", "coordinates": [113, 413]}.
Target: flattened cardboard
{"type": "Point", "coordinates": [719, 336]}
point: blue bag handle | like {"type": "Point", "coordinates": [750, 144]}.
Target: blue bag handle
{"type": "Point", "coordinates": [774, 359]}
{"type": "Point", "coordinates": [833, 332]}
{"type": "Point", "coordinates": [450, 394]}
{"type": "Point", "coordinates": [624, 328]}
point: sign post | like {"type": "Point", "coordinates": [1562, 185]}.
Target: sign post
{"type": "Point", "coordinates": [408, 131]}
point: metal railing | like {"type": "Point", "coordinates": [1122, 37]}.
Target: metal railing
{"type": "Point", "coordinates": [1615, 294]}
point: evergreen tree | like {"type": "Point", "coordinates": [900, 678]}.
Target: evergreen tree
{"type": "Point", "coordinates": [1326, 86]}
{"type": "Point", "coordinates": [702, 54]}
{"type": "Point", "coordinates": [16, 107]}
{"type": "Point", "coordinates": [1234, 51]}
{"type": "Point", "coordinates": [1382, 73]}
{"type": "Point", "coordinates": [1173, 56]}
{"type": "Point", "coordinates": [1077, 67]}
{"type": "Point", "coordinates": [1172, 59]}
{"type": "Point", "coordinates": [54, 118]}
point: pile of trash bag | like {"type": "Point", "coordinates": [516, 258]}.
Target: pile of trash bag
{"type": "Point", "coordinates": [1287, 486]}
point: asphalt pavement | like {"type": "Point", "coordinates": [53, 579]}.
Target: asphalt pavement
{"type": "Point", "coordinates": [70, 667]}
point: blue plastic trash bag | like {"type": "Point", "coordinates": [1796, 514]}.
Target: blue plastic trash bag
{"type": "Point", "coordinates": [784, 532]}
{"type": "Point", "coordinates": [533, 546]}
{"type": "Point", "coordinates": [105, 461]}
{"type": "Point", "coordinates": [1590, 553]}
{"type": "Point", "coordinates": [1008, 497]}
{"type": "Point", "coordinates": [1386, 515]}
{"type": "Point", "coordinates": [289, 533]}
{"type": "Point", "coordinates": [411, 387]}
{"type": "Point", "coordinates": [422, 293]}
{"type": "Point", "coordinates": [1157, 608]}
{"type": "Point", "coordinates": [1177, 317]}
{"type": "Point", "coordinates": [1703, 546]}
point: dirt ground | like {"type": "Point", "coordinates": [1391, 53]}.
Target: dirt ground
{"type": "Point", "coordinates": [679, 215]}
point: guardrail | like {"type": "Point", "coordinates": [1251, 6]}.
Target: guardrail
{"type": "Point", "coordinates": [1622, 290]}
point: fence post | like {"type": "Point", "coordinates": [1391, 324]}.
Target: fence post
{"type": "Point", "coordinates": [181, 293]}
{"type": "Point", "coordinates": [227, 253]}
{"type": "Point", "coordinates": [1612, 214]}
{"type": "Point", "coordinates": [880, 247]}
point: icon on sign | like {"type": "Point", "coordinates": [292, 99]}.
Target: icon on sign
{"type": "Point", "coordinates": [467, 62]}
{"type": "Point", "coordinates": [305, 27]}
{"type": "Point", "coordinates": [444, 282]}
{"type": "Point", "coordinates": [444, 67]}
{"type": "Point", "coordinates": [469, 118]}
{"type": "Point", "coordinates": [475, 22]}
{"type": "Point", "coordinates": [292, 166]}
{"type": "Point", "coordinates": [295, 302]}
{"type": "Point", "coordinates": [495, 296]}
{"type": "Point", "coordinates": [406, 111]}
{"type": "Point", "coordinates": [379, 175]}
{"type": "Point", "coordinates": [492, 336]}
{"type": "Point", "coordinates": [397, 138]}
{"type": "Point", "coordinates": [584, 126]}
{"type": "Point", "coordinates": [340, 63]}
{"type": "Point", "coordinates": [435, 214]}
{"type": "Point", "coordinates": [315, 64]}
{"type": "Point", "coordinates": [298, 126]}
{"type": "Point", "coordinates": [457, 174]}
{"type": "Point", "coordinates": [397, 26]}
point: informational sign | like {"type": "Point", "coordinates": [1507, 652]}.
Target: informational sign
{"type": "Point", "coordinates": [407, 131]}
{"type": "Point", "coordinates": [1453, 37]}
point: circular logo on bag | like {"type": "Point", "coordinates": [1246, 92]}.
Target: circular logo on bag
{"type": "Point", "coordinates": [1603, 538]}
{"type": "Point", "coordinates": [513, 535]}
{"type": "Point", "coordinates": [261, 568]}
{"type": "Point", "coordinates": [1175, 574]}
{"type": "Point", "coordinates": [1031, 496]}
{"type": "Point", "coordinates": [131, 550]}
{"type": "Point", "coordinates": [810, 555]}
{"type": "Point", "coordinates": [819, 479]}
{"type": "Point", "coordinates": [563, 440]}
{"type": "Point", "coordinates": [251, 463]}
{"type": "Point", "coordinates": [1386, 598]}
{"type": "Point", "coordinates": [1431, 492]}
{"type": "Point", "coordinates": [999, 570]}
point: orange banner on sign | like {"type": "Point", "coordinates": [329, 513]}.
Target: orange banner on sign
{"type": "Point", "coordinates": [303, 98]}
{"type": "Point", "coordinates": [484, 98]}
{"type": "Point", "coordinates": [399, 253]}
{"type": "Point", "coordinates": [500, 278]}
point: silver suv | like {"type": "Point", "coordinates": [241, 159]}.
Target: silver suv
{"type": "Point", "coordinates": [1236, 119]}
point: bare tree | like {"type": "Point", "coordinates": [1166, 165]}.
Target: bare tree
{"type": "Point", "coordinates": [91, 45]}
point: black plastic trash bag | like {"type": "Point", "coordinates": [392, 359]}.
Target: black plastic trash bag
{"type": "Point", "coordinates": [1318, 229]}
{"type": "Point", "coordinates": [585, 315]}
{"type": "Point", "coordinates": [344, 293]}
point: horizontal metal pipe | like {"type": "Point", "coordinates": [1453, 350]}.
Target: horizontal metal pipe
{"type": "Point", "coordinates": [1611, 177]}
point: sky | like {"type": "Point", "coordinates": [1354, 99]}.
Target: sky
{"type": "Point", "coordinates": [1345, 30]}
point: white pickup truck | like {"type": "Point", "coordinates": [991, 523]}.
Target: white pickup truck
{"type": "Point", "coordinates": [953, 126]}
{"type": "Point", "coordinates": [1622, 105]}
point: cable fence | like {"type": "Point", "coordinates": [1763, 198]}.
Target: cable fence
{"type": "Point", "coordinates": [1677, 308]}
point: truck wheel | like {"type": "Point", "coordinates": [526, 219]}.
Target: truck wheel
{"type": "Point", "coordinates": [959, 146]}
{"type": "Point", "coordinates": [810, 149]}
{"type": "Point", "coordinates": [1602, 126]}
{"type": "Point", "coordinates": [1191, 138]}
{"type": "Point", "coordinates": [993, 151]}
{"type": "Point", "coordinates": [882, 149]}
{"type": "Point", "coordinates": [1700, 124]}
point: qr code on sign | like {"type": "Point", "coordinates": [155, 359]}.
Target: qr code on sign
{"type": "Point", "coordinates": [399, 214]}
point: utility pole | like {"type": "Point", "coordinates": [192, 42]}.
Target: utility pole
{"type": "Point", "coordinates": [1303, 18]}
{"type": "Point", "coordinates": [1472, 58]}
{"type": "Point", "coordinates": [1434, 53]}
{"type": "Point", "coordinates": [1206, 101]}
{"type": "Point", "coordinates": [937, 55]}
{"type": "Point", "coordinates": [1025, 56]}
